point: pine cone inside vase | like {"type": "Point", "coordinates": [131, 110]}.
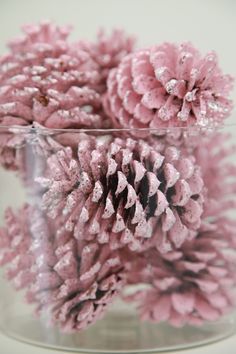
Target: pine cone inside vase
{"type": "Point", "coordinates": [122, 191]}
{"type": "Point", "coordinates": [191, 285]}
{"type": "Point", "coordinates": [71, 283]}
{"type": "Point", "coordinates": [44, 79]}
{"type": "Point", "coordinates": [108, 51]}
{"type": "Point", "coordinates": [216, 155]}
{"type": "Point", "coordinates": [168, 86]}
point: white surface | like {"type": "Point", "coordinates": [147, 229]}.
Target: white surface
{"type": "Point", "coordinates": [10, 346]}
{"type": "Point", "coordinates": [209, 24]}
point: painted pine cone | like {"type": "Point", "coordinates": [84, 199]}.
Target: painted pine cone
{"type": "Point", "coordinates": [168, 86]}
{"type": "Point", "coordinates": [191, 285]}
{"type": "Point", "coordinates": [108, 51]}
{"type": "Point", "coordinates": [123, 191]}
{"type": "Point", "coordinates": [44, 80]}
{"type": "Point", "coordinates": [217, 161]}
{"type": "Point", "coordinates": [69, 281]}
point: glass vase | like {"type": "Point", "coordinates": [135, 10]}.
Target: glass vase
{"type": "Point", "coordinates": [118, 241]}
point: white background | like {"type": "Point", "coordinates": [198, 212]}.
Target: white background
{"type": "Point", "coordinates": [209, 24]}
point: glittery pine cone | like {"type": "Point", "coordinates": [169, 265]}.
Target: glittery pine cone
{"type": "Point", "coordinates": [192, 285]}
{"type": "Point", "coordinates": [124, 192]}
{"type": "Point", "coordinates": [168, 86]}
{"type": "Point", "coordinates": [216, 159]}
{"type": "Point", "coordinates": [71, 283]}
{"type": "Point", "coordinates": [108, 51]}
{"type": "Point", "coordinates": [44, 79]}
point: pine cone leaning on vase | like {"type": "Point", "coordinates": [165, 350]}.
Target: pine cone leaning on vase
{"type": "Point", "coordinates": [124, 192]}
{"type": "Point", "coordinates": [191, 285]}
{"type": "Point", "coordinates": [168, 86]}
{"type": "Point", "coordinates": [70, 282]}
{"type": "Point", "coordinates": [108, 51]}
{"type": "Point", "coordinates": [44, 79]}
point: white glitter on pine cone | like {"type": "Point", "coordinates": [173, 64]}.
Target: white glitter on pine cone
{"type": "Point", "coordinates": [70, 283]}
{"type": "Point", "coordinates": [107, 51]}
{"type": "Point", "coordinates": [44, 79]}
{"type": "Point", "coordinates": [125, 192]}
{"type": "Point", "coordinates": [191, 285]}
{"type": "Point", "coordinates": [168, 86]}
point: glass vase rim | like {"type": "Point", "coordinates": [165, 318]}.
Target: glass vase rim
{"type": "Point", "coordinates": [160, 130]}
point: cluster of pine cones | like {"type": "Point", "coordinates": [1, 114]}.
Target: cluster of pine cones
{"type": "Point", "coordinates": [129, 179]}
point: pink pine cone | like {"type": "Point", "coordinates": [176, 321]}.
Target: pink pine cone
{"type": "Point", "coordinates": [124, 192]}
{"type": "Point", "coordinates": [44, 79]}
{"type": "Point", "coordinates": [72, 282]}
{"type": "Point", "coordinates": [108, 51]}
{"type": "Point", "coordinates": [217, 161]}
{"type": "Point", "coordinates": [168, 86]}
{"type": "Point", "coordinates": [196, 283]}
{"type": "Point", "coordinates": [191, 285]}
